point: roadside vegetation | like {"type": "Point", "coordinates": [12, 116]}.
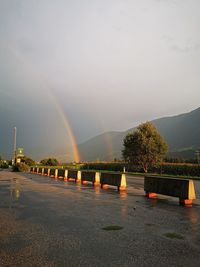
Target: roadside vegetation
{"type": "Point", "coordinates": [24, 165]}
{"type": "Point", "coordinates": [3, 163]}
{"type": "Point", "coordinates": [49, 162]}
{"type": "Point", "coordinates": [144, 147]}
{"type": "Point", "coordinates": [20, 167]}
{"type": "Point", "coordinates": [164, 168]}
{"type": "Point", "coordinates": [28, 161]}
{"type": "Point", "coordinates": [183, 170]}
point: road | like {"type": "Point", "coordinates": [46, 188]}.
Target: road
{"type": "Point", "coordinates": [48, 222]}
{"type": "Point", "coordinates": [136, 182]}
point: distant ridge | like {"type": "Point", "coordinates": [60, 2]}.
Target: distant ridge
{"type": "Point", "coordinates": [181, 132]}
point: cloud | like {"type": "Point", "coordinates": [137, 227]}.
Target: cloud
{"type": "Point", "coordinates": [185, 48]}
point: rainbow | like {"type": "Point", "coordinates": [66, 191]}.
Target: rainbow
{"type": "Point", "coordinates": [76, 154]}
{"type": "Point", "coordinates": [61, 113]}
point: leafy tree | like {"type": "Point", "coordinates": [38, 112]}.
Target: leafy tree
{"type": "Point", "coordinates": [144, 147]}
{"type": "Point", "coordinates": [43, 162]}
{"type": "Point", "coordinates": [28, 161]}
{"type": "Point", "coordinates": [20, 167]}
{"type": "Point", "coordinates": [3, 164]}
{"type": "Point", "coordinates": [49, 162]}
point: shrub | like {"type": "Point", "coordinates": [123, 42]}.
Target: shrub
{"type": "Point", "coordinates": [20, 167]}
{"type": "Point", "coordinates": [49, 162]}
{"type": "Point", "coordinates": [28, 161]}
{"type": "Point", "coordinates": [4, 165]}
{"type": "Point", "coordinates": [111, 166]}
{"type": "Point", "coordinates": [182, 169]}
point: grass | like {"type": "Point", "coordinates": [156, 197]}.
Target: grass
{"type": "Point", "coordinates": [173, 236]}
{"type": "Point", "coordinates": [112, 228]}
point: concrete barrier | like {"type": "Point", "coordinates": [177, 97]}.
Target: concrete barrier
{"type": "Point", "coordinates": [39, 171]}
{"type": "Point", "coordinates": [45, 171]}
{"type": "Point", "coordinates": [104, 178]}
{"type": "Point", "coordinates": [74, 174]}
{"type": "Point", "coordinates": [181, 188]}
{"type": "Point", "coordinates": [62, 173]}
{"type": "Point", "coordinates": [52, 172]}
{"type": "Point", "coordinates": [114, 179]}
{"type": "Point", "coordinates": [90, 176]}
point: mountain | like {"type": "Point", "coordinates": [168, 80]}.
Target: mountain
{"type": "Point", "coordinates": [40, 140]}
{"type": "Point", "coordinates": [106, 146]}
{"type": "Point", "coordinates": [181, 132]}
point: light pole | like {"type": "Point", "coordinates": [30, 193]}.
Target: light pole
{"type": "Point", "coordinates": [14, 146]}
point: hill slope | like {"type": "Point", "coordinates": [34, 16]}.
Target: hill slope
{"type": "Point", "coordinates": [182, 133]}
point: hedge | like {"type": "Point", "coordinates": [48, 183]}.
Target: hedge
{"type": "Point", "coordinates": [182, 169]}
{"type": "Point", "coordinates": [178, 169]}
{"type": "Point", "coordinates": [163, 168]}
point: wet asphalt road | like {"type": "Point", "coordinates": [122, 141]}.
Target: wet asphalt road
{"type": "Point", "coordinates": [47, 222]}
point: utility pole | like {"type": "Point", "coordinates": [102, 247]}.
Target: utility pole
{"type": "Point", "coordinates": [14, 146]}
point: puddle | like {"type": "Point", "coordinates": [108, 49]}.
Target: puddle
{"type": "Point", "coordinates": [174, 236]}
{"type": "Point", "coordinates": [112, 228]}
{"type": "Point", "coordinates": [149, 224]}
{"type": "Point", "coordinates": [10, 190]}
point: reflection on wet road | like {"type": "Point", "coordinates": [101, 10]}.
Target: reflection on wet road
{"type": "Point", "coordinates": [11, 190]}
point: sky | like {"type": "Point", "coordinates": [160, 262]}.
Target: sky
{"type": "Point", "coordinates": [104, 65]}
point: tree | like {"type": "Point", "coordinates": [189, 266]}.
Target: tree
{"type": "Point", "coordinates": [20, 167]}
{"type": "Point", "coordinates": [144, 147]}
{"type": "Point", "coordinates": [49, 162]}
{"type": "Point", "coordinates": [28, 161]}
